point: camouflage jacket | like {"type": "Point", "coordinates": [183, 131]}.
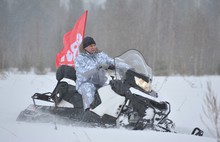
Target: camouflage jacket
{"type": "Point", "coordinates": [87, 67]}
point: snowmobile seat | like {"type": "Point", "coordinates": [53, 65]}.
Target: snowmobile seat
{"type": "Point", "coordinates": [72, 96]}
{"type": "Point", "coordinates": [66, 91]}
{"type": "Point", "coordinates": [65, 71]}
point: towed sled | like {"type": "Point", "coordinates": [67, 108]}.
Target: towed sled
{"type": "Point", "coordinates": [127, 100]}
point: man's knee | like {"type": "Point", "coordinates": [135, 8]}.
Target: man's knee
{"type": "Point", "coordinates": [87, 88]}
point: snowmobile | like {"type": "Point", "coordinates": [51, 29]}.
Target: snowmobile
{"type": "Point", "coordinates": [127, 100]}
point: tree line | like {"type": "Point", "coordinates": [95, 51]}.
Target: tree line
{"type": "Point", "coordinates": [175, 36]}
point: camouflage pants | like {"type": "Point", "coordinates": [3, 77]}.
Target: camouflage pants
{"type": "Point", "coordinates": [87, 90]}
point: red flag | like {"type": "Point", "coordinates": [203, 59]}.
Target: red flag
{"type": "Point", "coordinates": [71, 42]}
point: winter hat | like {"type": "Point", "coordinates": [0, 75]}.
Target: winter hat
{"type": "Point", "coordinates": [88, 41]}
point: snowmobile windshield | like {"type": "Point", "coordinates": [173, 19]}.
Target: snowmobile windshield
{"type": "Point", "coordinates": [133, 60]}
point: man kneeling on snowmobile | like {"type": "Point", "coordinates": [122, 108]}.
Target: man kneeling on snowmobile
{"type": "Point", "coordinates": [90, 67]}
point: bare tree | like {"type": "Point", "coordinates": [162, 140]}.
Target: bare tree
{"type": "Point", "coordinates": [212, 111]}
{"type": "Point", "coordinates": [175, 36]}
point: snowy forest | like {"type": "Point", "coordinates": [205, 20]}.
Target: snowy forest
{"type": "Point", "coordinates": [175, 36]}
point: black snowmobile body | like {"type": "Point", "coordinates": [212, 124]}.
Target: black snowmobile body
{"type": "Point", "coordinates": [126, 101]}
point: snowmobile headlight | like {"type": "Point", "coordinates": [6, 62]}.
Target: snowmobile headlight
{"type": "Point", "coordinates": [143, 84]}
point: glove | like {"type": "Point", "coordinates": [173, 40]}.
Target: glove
{"type": "Point", "coordinates": [103, 66]}
{"type": "Point", "coordinates": [111, 67]}
{"type": "Point", "coordinates": [106, 66]}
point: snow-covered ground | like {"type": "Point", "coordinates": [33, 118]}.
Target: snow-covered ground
{"type": "Point", "coordinates": [185, 94]}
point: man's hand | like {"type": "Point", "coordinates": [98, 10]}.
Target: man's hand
{"type": "Point", "coordinates": [106, 66]}
{"type": "Point", "coordinates": [111, 67]}
{"type": "Point", "coordinates": [103, 66]}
